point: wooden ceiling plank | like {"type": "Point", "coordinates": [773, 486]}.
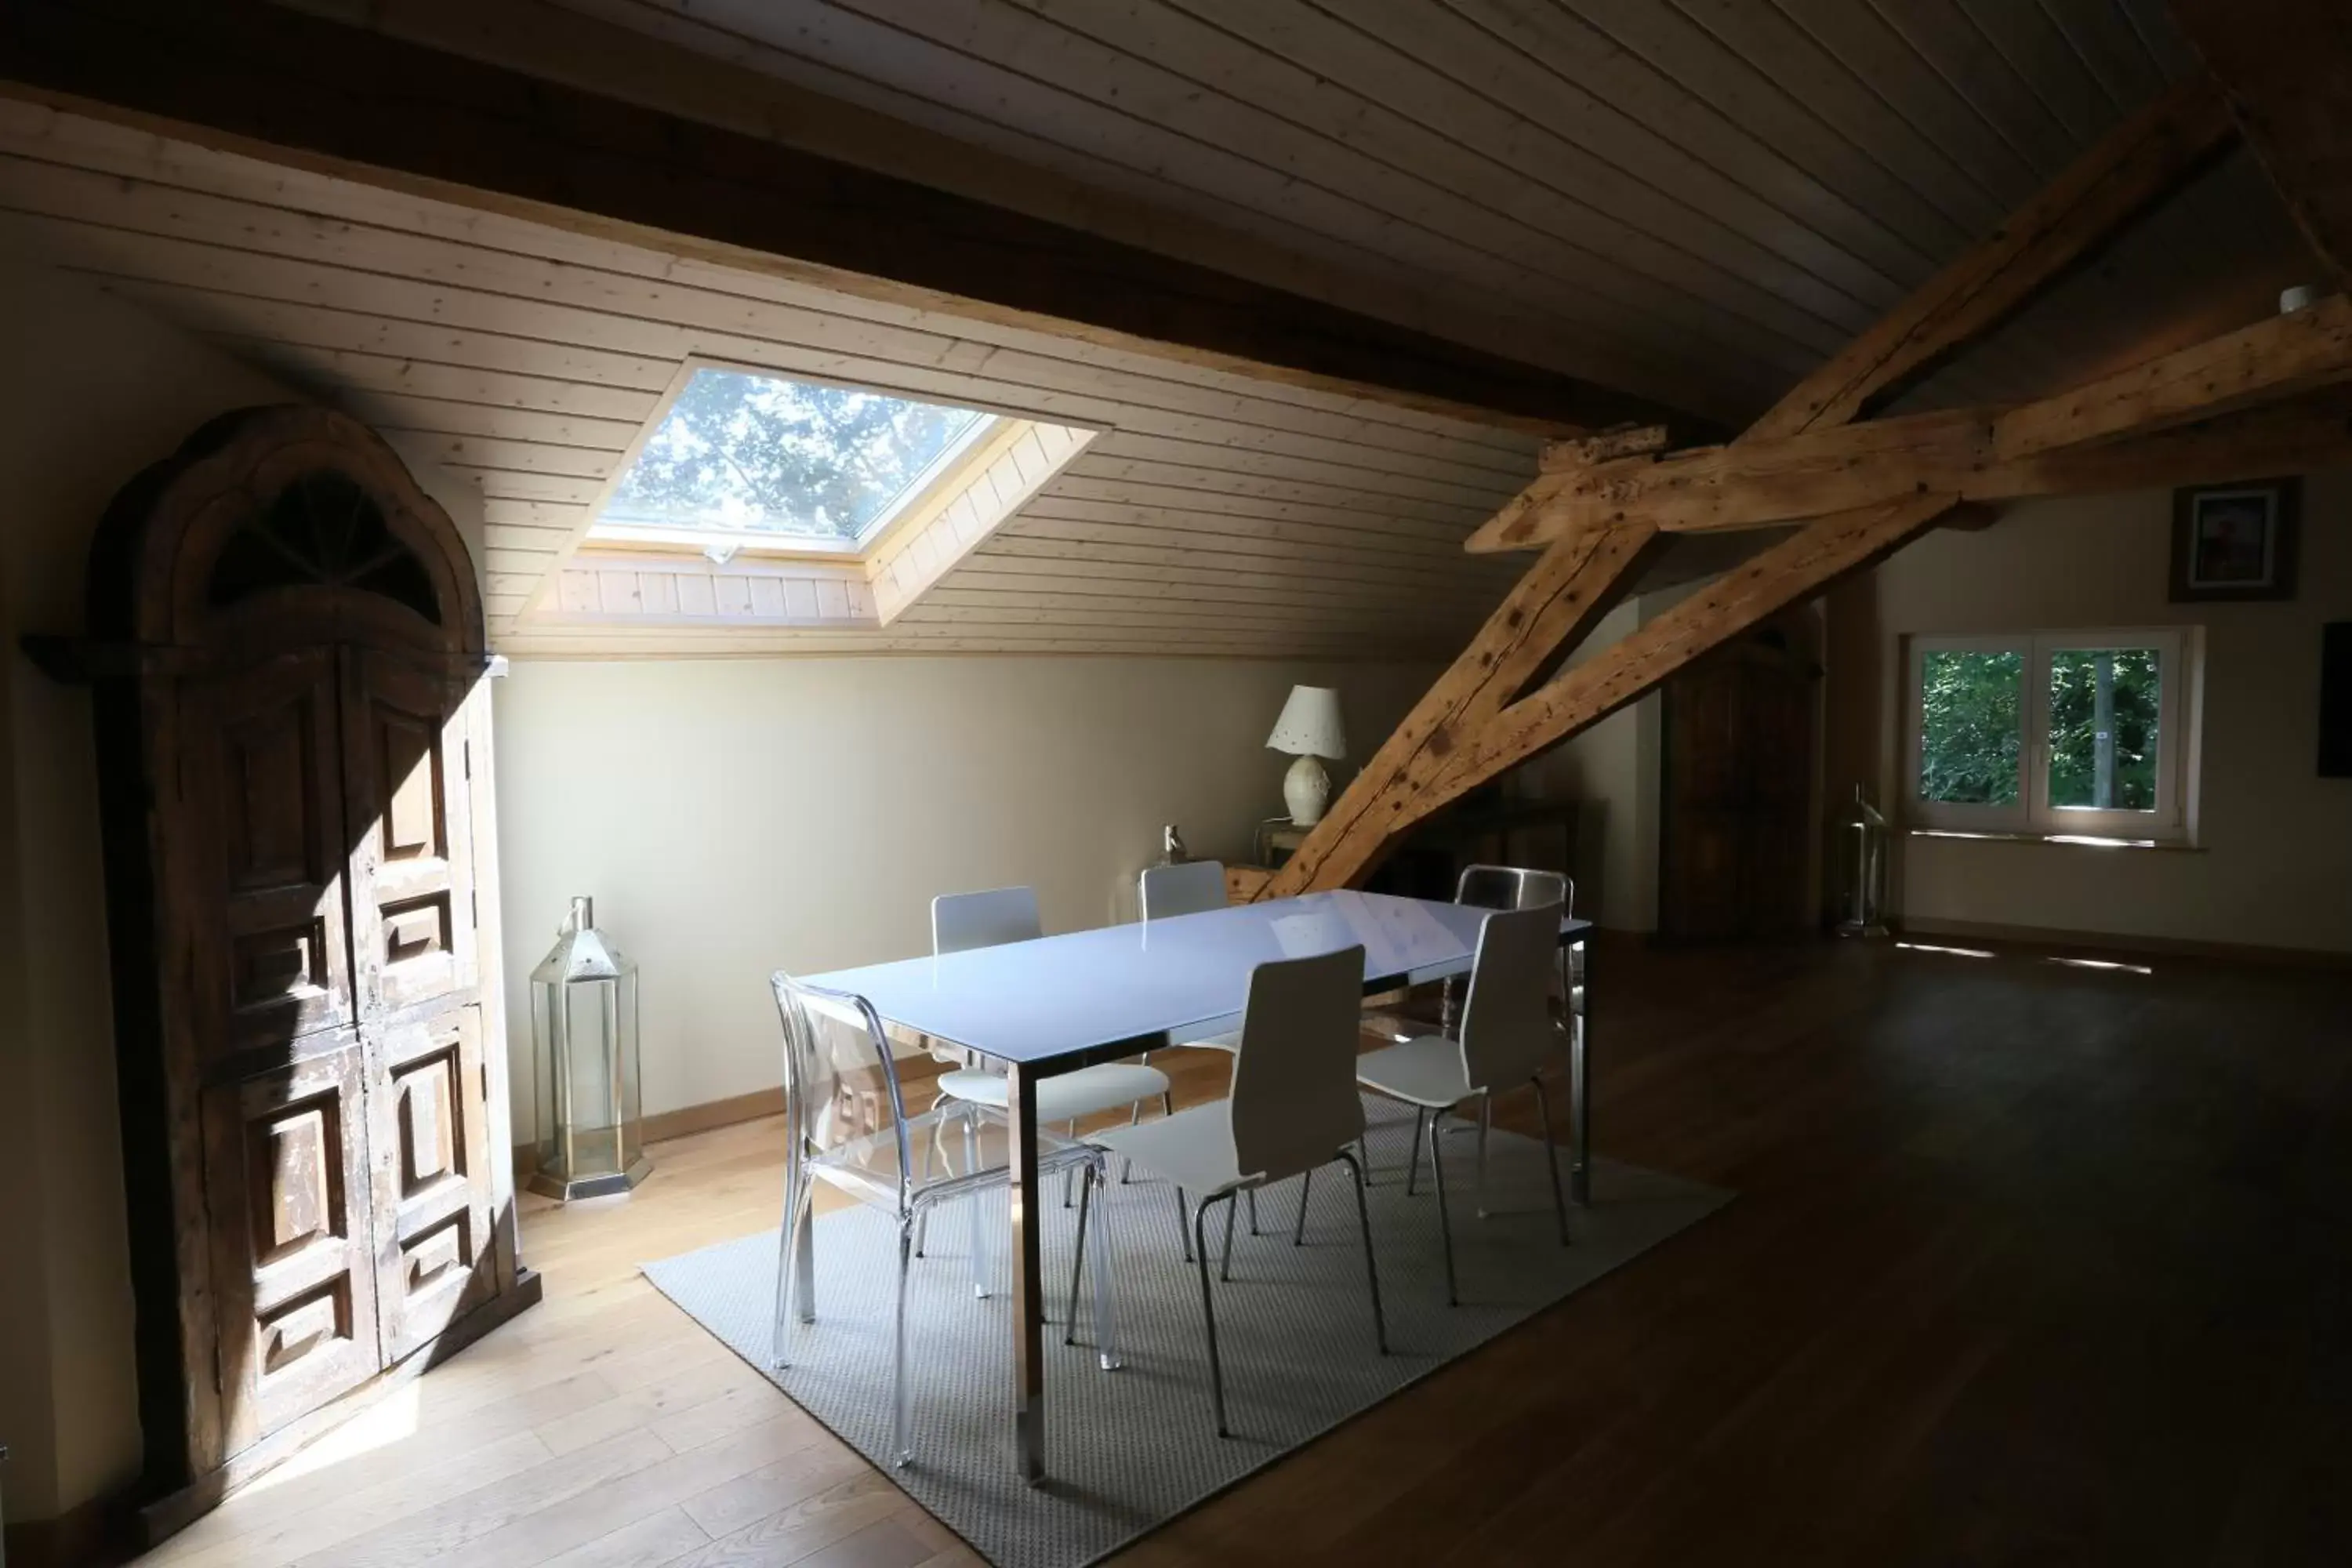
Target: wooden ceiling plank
{"type": "Point", "coordinates": [291, 87]}
{"type": "Point", "coordinates": [1577, 581]}
{"type": "Point", "coordinates": [2267, 362]}
{"type": "Point", "coordinates": [2286, 67]}
{"type": "Point", "coordinates": [2150, 156]}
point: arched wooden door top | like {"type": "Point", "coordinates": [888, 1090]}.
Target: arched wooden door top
{"type": "Point", "coordinates": [280, 524]}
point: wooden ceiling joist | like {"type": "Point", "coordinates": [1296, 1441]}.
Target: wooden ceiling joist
{"type": "Point", "coordinates": [2216, 411]}
{"type": "Point", "coordinates": [272, 82]}
{"type": "Point", "coordinates": [2280, 358]}
{"type": "Point", "coordinates": [1768, 483]}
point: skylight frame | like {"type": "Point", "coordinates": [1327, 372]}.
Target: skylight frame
{"type": "Point", "coordinates": [941, 475]}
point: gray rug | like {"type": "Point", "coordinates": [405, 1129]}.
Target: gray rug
{"type": "Point", "coordinates": [1130, 1449]}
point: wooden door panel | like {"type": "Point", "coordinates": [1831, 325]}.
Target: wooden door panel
{"type": "Point", "coordinates": [436, 1255]}
{"type": "Point", "coordinates": [412, 867]}
{"type": "Point", "coordinates": [261, 820]}
{"type": "Point", "coordinates": [292, 1220]}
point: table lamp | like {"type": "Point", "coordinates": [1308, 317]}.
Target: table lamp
{"type": "Point", "coordinates": [1309, 728]}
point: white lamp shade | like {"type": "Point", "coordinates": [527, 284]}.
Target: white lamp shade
{"type": "Point", "coordinates": [1309, 725]}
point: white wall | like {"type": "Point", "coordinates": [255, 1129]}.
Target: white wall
{"type": "Point", "coordinates": [91, 391]}
{"type": "Point", "coordinates": [731, 817]}
{"type": "Point", "coordinates": [2273, 866]}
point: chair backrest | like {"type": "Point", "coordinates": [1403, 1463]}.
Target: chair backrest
{"type": "Point", "coordinates": [1507, 1026]}
{"type": "Point", "coordinates": [1294, 1103]}
{"type": "Point", "coordinates": [840, 1074]}
{"type": "Point", "coordinates": [961, 921]}
{"type": "Point", "coordinates": [1185, 888]}
{"type": "Point", "coordinates": [1513, 888]}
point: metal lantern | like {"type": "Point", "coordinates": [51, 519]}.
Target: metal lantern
{"type": "Point", "coordinates": [583, 1033]}
{"type": "Point", "coordinates": [1861, 871]}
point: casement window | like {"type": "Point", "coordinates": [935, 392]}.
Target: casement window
{"type": "Point", "coordinates": [2064, 734]}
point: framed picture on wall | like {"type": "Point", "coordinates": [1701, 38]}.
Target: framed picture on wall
{"type": "Point", "coordinates": [2236, 540]}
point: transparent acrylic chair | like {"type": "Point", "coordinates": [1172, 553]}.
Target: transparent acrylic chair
{"type": "Point", "coordinates": [847, 1127]}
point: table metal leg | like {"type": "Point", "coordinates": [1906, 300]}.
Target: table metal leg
{"type": "Point", "coordinates": [1579, 1074]}
{"type": "Point", "coordinates": [1028, 1280]}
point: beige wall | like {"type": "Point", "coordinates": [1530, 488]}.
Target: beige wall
{"type": "Point", "coordinates": [2273, 866]}
{"type": "Point", "coordinates": [730, 818]}
{"type": "Point", "coordinates": [91, 391]}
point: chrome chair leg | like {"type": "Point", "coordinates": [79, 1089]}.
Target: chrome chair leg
{"type": "Point", "coordinates": [901, 1454]}
{"type": "Point", "coordinates": [1209, 1307]}
{"type": "Point", "coordinates": [1253, 1208]}
{"type": "Point", "coordinates": [1183, 1225]}
{"type": "Point", "coordinates": [1445, 1218]}
{"type": "Point", "coordinates": [1372, 1269]}
{"type": "Point", "coordinates": [1306, 1187]}
{"type": "Point", "coordinates": [1551, 1156]}
{"type": "Point", "coordinates": [1412, 1155]}
{"type": "Point", "coordinates": [1485, 1126]}
{"type": "Point", "coordinates": [1226, 1270]}
{"type": "Point", "coordinates": [1134, 1119]}
{"type": "Point", "coordinates": [1071, 1174]}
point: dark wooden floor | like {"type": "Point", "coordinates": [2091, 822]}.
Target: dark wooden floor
{"type": "Point", "coordinates": [2031, 1264]}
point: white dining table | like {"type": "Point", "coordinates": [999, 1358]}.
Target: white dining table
{"type": "Point", "coordinates": [1057, 1004]}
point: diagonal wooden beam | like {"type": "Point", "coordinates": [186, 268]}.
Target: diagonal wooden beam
{"type": "Point", "coordinates": [2271, 360]}
{"type": "Point", "coordinates": [2147, 159]}
{"type": "Point", "coordinates": [1791, 570]}
{"type": "Point", "coordinates": [2287, 67]}
{"type": "Point", "coordinates": [1579, 579]}
{"type": "Point", "coordinates": [1768, 483]}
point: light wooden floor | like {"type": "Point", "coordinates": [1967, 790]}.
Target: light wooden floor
{"type": "Point", "coordinates": [2029, 1263]}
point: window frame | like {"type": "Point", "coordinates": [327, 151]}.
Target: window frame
{"type": "Point", "coordinates": [944, 475]}
{"type": "Point", "coordinates": [2033, 814]}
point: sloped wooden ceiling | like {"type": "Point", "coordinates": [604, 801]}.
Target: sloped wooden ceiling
{"type": "Point", "coordinates": [1694, 199]}
{"type": "Point", "coordinates": [1214, 514]}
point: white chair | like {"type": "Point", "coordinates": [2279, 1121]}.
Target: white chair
{"type": "Point", "coordinates": [1190, 887]}
{"type": "Point", "coordinates": [961, 921]}
{"type": "Point", "coordinates": [847, 1126]}
{"type": "Point", "coordinates": [1294, 1108]}
{"type": "Point", "coordinates": [1507, 1037]}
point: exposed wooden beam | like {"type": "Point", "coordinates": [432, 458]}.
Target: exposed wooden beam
{"type": "Point", "coordinates": [276, 84]}
{"type": "Point", "coordinates": [1575, 452]}
{"type": "Point", "coordinates": [1794, 570]}
{"type": "Point", "coordinates": [2287, 67]}
{"type": "Point", "coordinates": [2271, 360]}
{"type": "Point", "coordinates": [1760, 484]}
{"type": "Point", "coordinates": [2145, 160]}
{"type": "Point", "coordinates": [1578, 580]}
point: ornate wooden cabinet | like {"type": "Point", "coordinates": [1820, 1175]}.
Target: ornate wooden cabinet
{"type": "Point", "coordinates": [295, 754]}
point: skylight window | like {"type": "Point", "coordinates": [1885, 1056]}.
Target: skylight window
{"type": "Point", "coordinates": [744, 460]}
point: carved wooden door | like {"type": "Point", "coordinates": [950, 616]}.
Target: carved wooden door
{"type": "Point", "coordinates": [308, 1001]}
{"type": "Point", "coordinates": [414, 915]}
{"type": "Point", "coordinates": [281, 1069]}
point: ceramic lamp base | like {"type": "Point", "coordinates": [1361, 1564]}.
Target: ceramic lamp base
{"type": "Point", "coordinates": [1306, 790]}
